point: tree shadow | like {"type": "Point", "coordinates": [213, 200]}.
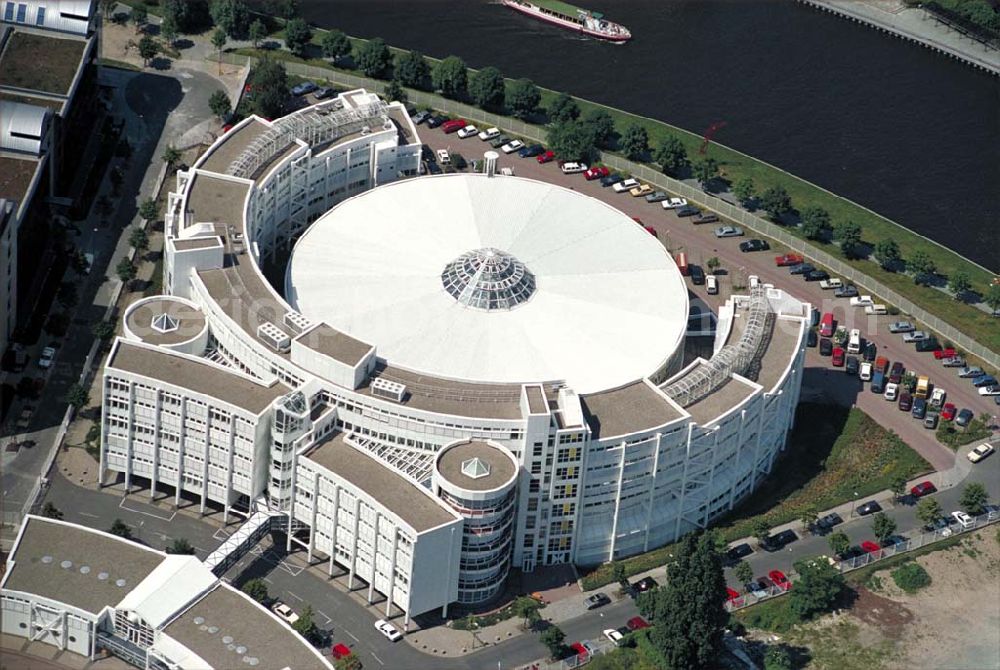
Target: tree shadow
{"type": "Point", "coordinates": [183, 43]}
{"type": "Point", "coordinates": [160, 63]}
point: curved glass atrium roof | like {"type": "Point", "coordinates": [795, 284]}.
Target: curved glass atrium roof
{"type": "Point", "coordinates": [488, 279]}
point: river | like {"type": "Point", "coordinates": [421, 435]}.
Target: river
{"type": "Point", "coordinates": [891, 125]}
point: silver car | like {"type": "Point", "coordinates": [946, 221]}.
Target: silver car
{"type": "Point", "coordinates": [901, 327]}
{"type": "Point", "coordinates": [914, 336]}
{"type": "Point", "coordinates": [954, 362]}
{"type": "Point", "coordinates": [728, 231]}
{"type": "Point", "coordinates": [974, 371]}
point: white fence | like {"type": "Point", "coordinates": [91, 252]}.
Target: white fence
{"type": "Point", "coordinates": [694, 195]}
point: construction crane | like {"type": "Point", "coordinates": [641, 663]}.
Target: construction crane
{"type": "Point", "coordinates": [710, 134]}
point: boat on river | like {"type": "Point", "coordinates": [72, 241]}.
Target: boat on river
{"type": "Point", "coordinates": [571, 17]}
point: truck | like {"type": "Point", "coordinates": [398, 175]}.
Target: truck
{"type": "Point", "coordinates": [878, 381]}
{"type": "Point", "coordinates": [923, 387]}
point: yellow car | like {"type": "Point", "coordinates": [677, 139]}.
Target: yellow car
{"type": "Point", "coordinates": [641, 189]}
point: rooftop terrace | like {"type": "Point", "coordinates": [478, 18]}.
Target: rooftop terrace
{"type": "Point", "coordinates": [40, 62]}
{"type": "Point", "coordinates": [15, 176]}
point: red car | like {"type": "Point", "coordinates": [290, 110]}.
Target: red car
{"type": "Point", "coordinates": [731, 595]}
{"type": "Point", "coordinates": [780, 580]}
{"type": "Point", "coordinates": [453, 126]}
{"type": "Point", "coordinates": [580, 650]}
{"type": "Point", "coordinates": [870, 546]}
{"type": "Point", "coordinates": [340, 650]}
{"type": "Point", "coordinates": [944, 353]}
{"type": "Point", "coordinates": [923, 489]}
{"type": "Point", "coordinates": [596, 173]}
{"type": "Point", "coordinates": [788, 259]}
{"type": "Point", "coordinates": [637, 623]}
{"type": "Point", "coordinates": [547, 157]}
{"type": "Point", "coordinates": [651, 231]}
{"type": "Point", "coordinates": [948, 411]}
{"type": "Point", "coordinates": [838, 357]}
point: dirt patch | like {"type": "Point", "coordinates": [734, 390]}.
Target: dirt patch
{"type": "Point", "coordinates": [890, 617]}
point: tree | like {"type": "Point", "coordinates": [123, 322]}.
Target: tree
{"type": "Point", "coordinates": [297, 36]}
{"type": "Point", "coordinates": [992, 297]}
{"type": "Point", "coordinates": [138, 239]}
{"type": "Point", "coordinates": [349, 662]}
{"type": "Point", "coordinates": [121, 529]}
{"type": "Point", "coordinates": [743, 572]}
{"type": "Point", "coordinates": [218, 102]}
{"type": "Point", "coordinates": [848, 234]}
{"type": "Point", "coordinates": [269, 82]}
{"type": "Point", "coordinates": [928, 511]}
{"type": "Point", "coordinates": [180, 546]}
{"type": "Point", "coordinates": [713, 264]}
{"type": "Point", "coordinates": [125, 270]}
{"type": "Point", "coordinates": [232, 16]}
{"type": "Point", "coordinates": [776, 202]}
{"type": "Point", "coordinates": [777, 658]}
{"type": "Point", "coordinates": [140, 17]}
{"type": "Point", "coordinates": [635, 142]}
{"type": "Point", "coordinates": [487, 89]}
{"type": "Point", "coordinates": [103, 330]}
{"type": "Point", "coordinates": [374, 58]}
{"type": "Point", "coordinates": [744, 190]}
{"type": "Point", "coordinates": [911, 577]}
{"type": "Point", "coordinates": [168, 29]}
{"type": "Point", "coordinates": [412, 69]}
{"type": "Point", "coordinates": [973, 499]}
{"type": "Point", "coordinates": [527, 609]}
{"type": "Point", "coordinates": [50, 511]}
{"type": "Point", "coordinates": [219, 42]}
{"type": "Point", "coordinates": [898, 486]}
{"type": "Point", "coordinates": [304, 625]}
{"type": "Point", "coordinates": [335, 45]}
{"type": "Point", "coordinates": [960, 284]}
{"type": "Point", "coordinates": [705, 170]}
{"type": "Point", "coordinates": [393, 91]}
{"type": "Point", "coordinates": [815, 222]}
{"type": "Point", "coordinates": [257, 589]}
{"type": "Point", "coordinates": [817, 589]}
{"type": "Point", "coordinates": [563, 108]}
{"type": "Point", "coordinates": [839, 543]}
{"type": "Point", "coordinates": [883, 526]}
{"type": "Point", "coordinates": [602, 126]}
{"type": "Point", "coordinates": [148, 48]}
{"type": "Point", "coordinates": [689, 611]}
{"type": "Point", "coordinates": [67, 295]}
{"type": "Point", "coordinates": [553, 638]}
{"type": "Point", "coordinates": [808, 516]}
{"type": "Point", "coordinates": [671, 156]}
{"type": "Point", "coordinates": [450, 76]}
{"type": "Point", "coordinates": [78, 396]}
{"type": "Point", "coordinates": [887, 253]}
{"type": "Point", "coordinates": [523, 98]}
{"type": "Point", "coordinates": [257, 33]}
{"type": "Point", "coordinates": [187, 15]}
{"type": "Point", "coordinates": [920, 265]}
{"type": "Point", "coordinates": [171, 155]}
{"type": "Point", "coordinates": [760, 529]}
{"type": "Point", "coordinates": [618, 573]}
{"type": "Point", "coordinates": [572, 140]}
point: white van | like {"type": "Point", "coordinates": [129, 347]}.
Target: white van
{"type": "Point", "coordinates": [876, 309]}
{"type": "Point", "coordinates": [854, 342]}
{"type": "Point", "coordinates": [712, 285]}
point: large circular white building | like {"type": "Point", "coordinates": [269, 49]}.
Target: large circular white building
{"type": "Point", "coordinates": [457, 375]}
{"type": "Point", "coordinates": [494, 280]}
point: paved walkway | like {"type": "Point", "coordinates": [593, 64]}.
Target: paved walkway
{"type": "Point", "coordinates": [914, 23]}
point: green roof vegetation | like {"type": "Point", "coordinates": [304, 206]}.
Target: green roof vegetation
{"type": "Point", "coordinates": [40, 63]}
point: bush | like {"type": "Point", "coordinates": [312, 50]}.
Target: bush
{"type": "Point", "coordinates": [911, 577]}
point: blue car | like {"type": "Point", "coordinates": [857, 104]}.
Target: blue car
{"type": "Point", "coordinates": [611, 180]}
{"type": "Point", "coordinates": [530, 151]}
{"type": "Point", "coordinates": [984, 380]}
{"type": "Point", "coordinates": [304, 88]}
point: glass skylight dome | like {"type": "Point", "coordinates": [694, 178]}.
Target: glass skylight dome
{"type": "Point", "coordinates": [488, 279]}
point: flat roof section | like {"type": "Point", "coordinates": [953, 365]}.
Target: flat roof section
{"type": "Point", "coordinates": [402, 122]}
{"type": "Point", "coordinates": [99, 570]}
{"type": "Point", "coordinates": [197, 243]}
{"type": "Point", "coordinates": [335, 344]}
{"type": "Point", "coordinates": [214, 200]}
{"type": "Point", "coordinates": [55, 104]}
{"type": "Point", "coordinates": [195, 376]}
{"type": "Point", "coordinates": [780, 350]}
{"type": "Point", "coordinates": [236, 141]}
{"type": "Point", "coordinates": [499, 469]}
{"type": "Point", "coordinates": [536, 400]}
{"type": "Point", "coordinates": [252, 630]}
{"type": "Point", "coordinates": [40, 62]}
{"type": "Point", "coordinates": [15, 176]}
{"type": "Point", "coordinates": [190, 321]}
{"type": "Point", "coordinates": [405, 499]}
{"type": "Point", "coordinates": [629, 409]}
{"type": "Point", "coordinates": [719, 401]}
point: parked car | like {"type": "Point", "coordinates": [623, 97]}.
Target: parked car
{"type": "Point", "coordinates": [869, 507]}
{"type": "Point", "coordinates": [900, 327]}
{"type": "Point", "coordinates": [930, 344]}
{"type": "Point", "coordinates": [963, 417]}
{"type": "Point", "coordinates": [572, 167]}
{"type": "Point", "coordinates": [732, 595]}
{"type": "Point", "coordinates": [531, 151]}
{"type": "Point", "coordinates": [896, 372]}
{"type": "Point", "coordinates": [728, 231]}
{"type": "Point", "coordinates": [788, 260]}
{"type": "Point", "coordinates": [919, 410]}
{"type": "Point", "coordinates": [905, 401]}
{"type": "Point", "coordinates": [990, 390]}
{"type": "Point", "coordinates": [436, 121]}
{"type": "Point", "coordinates": [285, 612]}
{"type": "Point", "coordinates": [914, 336]}
{"type": "Point", "coordinates": [984, 380]}
{"type": "Point", "coordinates": [611, 180]}
{"type": "Point", "coordinates": [776, 542]}
{"type": "Point", "coordinates": [931, 420]}
{"type": "Point", "coordinates": [948, 411]}
{"type": "Point", "coordinates": [891, 391]}
{"type": "Point", "coordinates": [971, 372]}
{"type": "Point", "coordinates": [870, 547]}
{"type": "Point", "coordinates": [865, 373]}
{"type": "Point", "coordinates": [657, 196]}
{"type": "Point", "coordinates": [878, 382]}
{"type": "Point", "coordinates": [838, 357]}
{"type": "Point", "coordinates": [862, 301]}
{"type": "Point", "coordinates": [512, 146]}
{"type": "Point", "coordinates": [417, 118]}
{"type": "Point", "coordinates": [757, 588]}
{"type": "Point", "coordinates": [645, 584]}
{"type": "Point", "coordinates": [674, 203]}
{"type": "Point", "coordinates": [963, 519]}
{"type": "Point", "coordinates": [340, 650]}
{"type": "Point", "coordinates": [596, 172]}
{"type": "Point", "coordinates": [637, 623]}
{"type": "Point", "coordinates": [582, 653]}
{"type": "Point", "coordinates": [546, 156]}
{"type": "Point", "coordinates": [304, 88]}
{"type": "Point", "coordinates": [489, 134]}
{"type": "Point", "coordinates": [833, 283]}
{"type": "Point", "coordinates": [327, 92]}
{"type": "Point", "coordinates": [754, 245]}
{"type": "Point", "coordinates": [942, 354]}
{"type": "Point", "coordinates": [705, 218]}
{"type": "Point", "coordinates": [388, 630]}
{"type": "Point", "coordinates": [980, 452]}
{"type": "Point", "coordinates": [871, 350]}
{"type": "Point", "coordinates": [697, 274]}
{"type": "Point", "coordinates": [640, 190]}
{"type": "Point", "coordinates": [48, 355]}
{"type": "Point", "coordinates": [937, 398]}
{"type": "Point", "coordinates": [444, 158]}
{"type": "Point", "coordinates": [954, 362]}
{"type": "Point", "coordinates": [852, 365]}
{"type": "Point", "coordinates": [614, 635]}
{"type": "Point", "coordinates": [924, 488]}
{"type": "Point", "coordinates": [779, 579]}
{"type": "Point", "coordinates": [688, 210]}
{"type": "Point", "coordinates": [829, 521]}
{"type": "Point", "coordinates": [876, 309]}
{"type": "Point", "coordinates": [597, 600]}
{"type": "Point", "coordinates": [739, 551]}
{"type": "Point", "coordinates": [811, 338]}
{"type": "Point", "coordinates": [816, 275]}
{"type": "Point", "coordinates": [800, 269]}
{"type": "Point", "coordinates": [848, 291]}
{"type": "Point", "coordinates": [453, 125]}
{"type": "Point", "coordinates": [825, 346]}
{"type": "Point", "coordinates": [625, 185]}
{"type": "Point", "coordinates": [468, 131]}
{"type": "Point", "coordinates": [882, 364]}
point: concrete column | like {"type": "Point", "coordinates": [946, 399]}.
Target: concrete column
{"type": "Point", "coordinates": [128, 442]}
{"type": "Point", "coordinates": [180, 454]}
{"type": "Point", "coordinates": [684, 478]}
{"type": "Point", "coordinates": [618, 497]}
{"type": "Point", "coordinates": [371, 582]}
{"type": "Point", "coordinates": [229, 468]}
{"type": "Point", "coordinates": [652, 488]}
{"type": "Point", "coordinates": [64, 637]}
{"type": "Point", "coordinates": [92, 628]}
{"type": "Point", "coordinates": [312, 517]}
{"type": "Point", "coordinates": [447, 593]}
{"type": "Point", "coordinates": [392, 573]}
{"type": "Point", "coordinates": [206, 454]}
{"type": "Point", "coordinates": [104, 440]}
{"type": "Point", "coordinates": [333, 534]}
{"type": "Point", "coordinates": [354, 548]}
{"type": "Point", "coordinates": [156, 445]}
{"type": "Point", "coordinates": [406, 618]}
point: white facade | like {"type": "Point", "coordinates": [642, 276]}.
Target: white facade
{"type": "Point", "coordinates": [353, 449]}
{"type": "Point", "coordinates": [69, 16]}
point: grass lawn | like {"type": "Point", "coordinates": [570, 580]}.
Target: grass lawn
{"type": "Point", "coordinates": [832, 453]}
{"type": "Point", "coordinates": [956, 437]}
{"type": "Point", "coordinates": [40, 63]}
